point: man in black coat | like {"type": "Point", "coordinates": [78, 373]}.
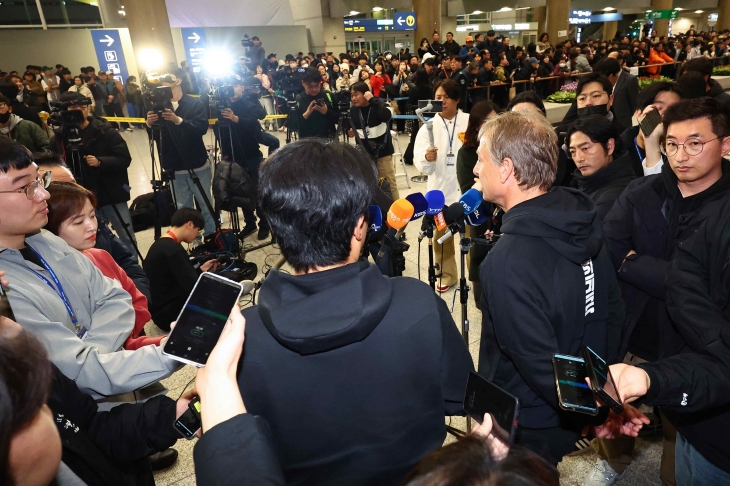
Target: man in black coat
{"type": "Point", "coordinates": [451, 47]}
{"type": "Point", "coordinates": [705, 67]}
{"type": "Point", "coordinates": [548, 285]}
{"type": "Point", "coordinates": [336, 353]}
{"type": "Point", "coordinates": [651, 219]}
{"type": "Point", "coordinates": [100, 165]}
{"type": "Point", "coordinates": [625, 89]}
{"type": "Point", "coordinates": [179, 138]}
{"type": "Point", "coordinates": [603, 169]}
{"type": "Point", "coordinates": [10, 91]}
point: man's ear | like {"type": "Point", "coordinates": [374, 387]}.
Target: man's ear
{"type": "Point", "coordinates": [361, 229]}
{"type": "Point", "coordinates": [725, 146]}
{"type": "Point", "coordinates": [610, 146]}
{"type": "Point", "coordinates": [506, 169]}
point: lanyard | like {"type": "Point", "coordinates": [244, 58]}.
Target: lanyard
{"type": "Point", "coordinates": [638, 149]}
{"type": "Point", "coordinates": [172, 235]}
{"type": "Point", "coordinates": [58, 288]}
{"type": "Point", "coordinates": [451, 137]}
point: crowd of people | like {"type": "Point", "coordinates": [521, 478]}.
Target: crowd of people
{"type": "Point", "coordinates": [612, 235]}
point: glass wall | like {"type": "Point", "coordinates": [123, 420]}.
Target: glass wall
{"type": "Point", "coordinates": [50, 13]}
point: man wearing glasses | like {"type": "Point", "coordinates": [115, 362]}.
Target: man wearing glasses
{"type": "Point", "coordinates": [644, 229]}
{"type": "Point", "coordinates": [316, 114]}
{"type": "Point", "coordinates": [82, 317]}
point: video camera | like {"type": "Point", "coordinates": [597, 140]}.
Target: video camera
{"type": "Point", "coordinates": [157, 99]}
{"type": "Point", "coordinates": [246, 42]}
{"type": "Point", "coordinates": [62, 117]}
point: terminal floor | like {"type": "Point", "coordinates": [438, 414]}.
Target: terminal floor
{"type": "Point", "coordinates": [644, 471]}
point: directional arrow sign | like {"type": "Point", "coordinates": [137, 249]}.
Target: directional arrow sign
{"type": "Point", "coordinates": [194, 42]}
{"type": "Point", "coordinates": [401, 20]}
{"type": "Point", "coordinates": [108, 40]}
{"type": "Point", "coordinates": [109, 52]}
{"type": "Point", "coordinates": [405, 21]}
{"type": "Point", "coordinates": [195, 38]}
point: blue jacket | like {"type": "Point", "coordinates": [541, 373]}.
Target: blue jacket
{"type": "Point", "coordinates": [466, 54]}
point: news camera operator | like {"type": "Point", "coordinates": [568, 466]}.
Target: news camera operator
{"type": "Point", "coordinates": [548, 283]}
{"type": "Point", "coordinates": [178, 131]}
{"type": "Point", "coordinates": [99, 164]}
{"type": "Point", "coordinates": [240, 143]}
{"type": "Point", "coordinates": [370, 117]}
{"type": "Point", "coordinates": [316, 113]}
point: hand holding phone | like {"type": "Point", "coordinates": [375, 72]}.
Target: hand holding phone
{"type": "Point", "coordinates": [188, 423]}
{"type": "Point", "coordinates": [650, 121]}
{"type": "Point", "coordinates": [574, 393]}
{"type": "Point", "coordinates": [602, 383]}
{"type": "Point", "coordinates": [484, 398]}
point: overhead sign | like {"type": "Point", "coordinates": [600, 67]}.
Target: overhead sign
{"type": "Point", "coordinates": [501, 26]}
{"type": "Point", "coordinates": [467, 28]}
{"type": "Point", "coordinates": [194, 43]}
{"type": "Point", "coordinates": [608, 17]}
{"type": "Point", "coordinates": [579, 17]}
{"type": "Point", "coordinates": [661, 15]}
{"type": "Point", "coordinates": [109, 53]}
{"type": "Point", "coordinates": [369, 25]}
{"type": "Point", "coordinates": [405, 21]}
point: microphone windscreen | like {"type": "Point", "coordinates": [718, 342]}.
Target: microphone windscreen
{"type": "Point", "coordinates": [375, 218]}
{"type": "Point", "coordinates": [480, 215]}
{"type": "Point", "coordinates": [400, 213]}
{"type": "Point", "coordinates": [420, 205]}
{"type": "Point", "coordinates": [453, 213]}
{"type": "Point", "coordinates": [248, 286]}
{"type": "Point", "coordinates": [436, 201]}
{"type": "Point", "coordinates": [471, 200]}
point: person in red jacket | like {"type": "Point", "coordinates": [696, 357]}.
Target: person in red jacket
{"type": "Point", "coordinates": [379, 80]}
{"type": "Point", "coordinates": [72, 217]}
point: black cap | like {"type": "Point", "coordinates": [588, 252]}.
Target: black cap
{"type": "Point", "coordinates": [290, 57]}
{"type": "Point", "coordinates": [271, 55]}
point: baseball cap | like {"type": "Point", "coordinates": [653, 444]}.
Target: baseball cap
{"type": "Point", "coordinates": [270, 56]}
{"type": "Point", "coordinates": [281, 62]}
{"type": "Point", "coordinates": [429, 61]}
{"type": "Point", "coordinates": [290, 57]}
{"type": "Point", "coordinates": [46, 68]}
{"type": "Point", "coordinates": [426, 57]}
{"type": "Point", "coordinates": [533, 60]}
{"type": "Point", "coordinates": [345, 67]}
{"type": "Point", "coordinates": [469, 38]}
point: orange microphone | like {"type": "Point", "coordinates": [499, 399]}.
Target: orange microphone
{"type": "Point", "coordinates": [399, 214]}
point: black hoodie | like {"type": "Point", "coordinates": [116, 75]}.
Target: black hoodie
{"type": "Point", "coordinates": [549, 287]}
{"type": "Point", "coordinates": [718, 92]}
{"type": "Point", "coordinates": [353, 371]}
{"type": "Point", "coordinates": [607, 184]}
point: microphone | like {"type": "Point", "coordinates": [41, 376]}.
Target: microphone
{"type": "Point", "coordinates": [428, 123]}
{"type": "Point", "coordinates": [471, 200]}
{"type": "Point", "coordinates": [399, 215]}
{"type": "Point", "coordinates": [375, 217]}
{"type": "Point", "coordinates": [436, 201]}
{"type": "Point", "coordinates": [454, 214]}
{"type": "Point", "coordinates": [480, 215]}
{"type": "Point", "coordinates": [248, 286]}
{"type": "Point", "coordinates": [420, 205]}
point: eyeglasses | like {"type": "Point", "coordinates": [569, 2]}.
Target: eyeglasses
{"type": "Point", "coordinates": [691, 146]}
{"type": "Point", "coordinates": [595, 97]}
{"type": "Point", "coordinates": [31, 189]}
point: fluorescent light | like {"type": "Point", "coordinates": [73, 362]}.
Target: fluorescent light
{"type": "Point", "coordinates": [678, 9]}
{"type": "Point", "coordinates": [477, 12]}
{"type": "Point", "coordinates": [699, 11]}
{"type": "Point", "coordinates": [354, 12]}
{"type": "Point", "coordinates": [608, 9]}
{"type": "Point", "coordinates": [648, 11]}
{"type": "Point", "coordinates": [122, 12]}
{"type": "Point", "coordinates": [504, 9]}
{"type": "Point", "coordinates": [377, 9]}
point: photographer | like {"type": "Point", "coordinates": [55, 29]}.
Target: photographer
{"type": "Point", "coordinates": [101, 166]}
{"type": "Point", "coordinates": [239, 139]}
{"type": "Point", "coordinates": [316, 113]}
{"type": "Point", "coordinates": [181, 147]}
{"type": "Point", "coordinates": [370, 119]}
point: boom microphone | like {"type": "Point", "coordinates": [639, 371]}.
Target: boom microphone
{"type": "Point", "coordinates": [399, 214]}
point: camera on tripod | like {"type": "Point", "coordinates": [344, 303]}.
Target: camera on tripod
{"type": "Point", "coordinates": [65, 119]}
{"type": "Point", "coordinates": [157, 99]}
{"type": "Point", "coordinates": [246, 42]}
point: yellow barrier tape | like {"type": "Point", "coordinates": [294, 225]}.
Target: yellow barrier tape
{"type": "Point", "coordinates": [211, 121]}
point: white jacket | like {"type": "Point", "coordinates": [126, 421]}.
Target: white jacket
{"type": "Point", "coordinates": [84, 90]}
{"type": "Point", "coordinates": [441, 176]}
{"type": "Point", "coordinates": [97, 363]}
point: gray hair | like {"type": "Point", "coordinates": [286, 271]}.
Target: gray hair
{"type": "Point", "coordinates": [527, 139]}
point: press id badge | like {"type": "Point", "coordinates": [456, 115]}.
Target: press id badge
{"type": "Point", "coordinates": [450, 159]}
{"type": "Point", "coordinates": [81, 332]}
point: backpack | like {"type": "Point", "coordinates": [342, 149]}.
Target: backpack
{"type": "Point", "coordinates": [233, 187]}
{"type": "Point", "coordinates": [142, 209]}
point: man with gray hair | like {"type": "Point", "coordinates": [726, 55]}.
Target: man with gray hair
{"type": "Point", "coordinates": [548, 283]}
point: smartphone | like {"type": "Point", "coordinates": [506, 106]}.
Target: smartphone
{"type": "Point", "coordinates": [602, 383]}
{"type": "Point", "coordinates": [436, 106]}
{"type": "Point", "coordinates": [202, 319]}
{"type": "Point", "coordinates": [189, 423]}
{"type": "Point", "coordinates": [483, 396]}
{"type": "Point", "coordinates": [650, 122]}
{"type": "Point", "coordinates": [574, 393]}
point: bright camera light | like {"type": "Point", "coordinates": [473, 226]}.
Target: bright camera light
{"type": "Point", "coordinates": [218, 61]}
{"type": "Point", "coordinates": [150, 59]}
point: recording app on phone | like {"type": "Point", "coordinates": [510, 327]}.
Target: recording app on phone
{"type": "Point", "coordinates": [570, 373]}
{"type": "Point", "coordinates": [202, 320]}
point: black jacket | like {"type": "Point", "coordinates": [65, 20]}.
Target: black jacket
{"type": "Point", "coordinates": [452, 47]}
{"type": "Point", "coordinates": [376, 116]}
{"type": "Point", "coordinates": [107, 241]}
{"type": "Point", "coordinates": [109, 182]}
{"type": "Point", "coordinates": [693, 385]}
{"type": "Point", "coordinates": [606, 185]}
{"type": "Point", "coordinates": [182, 145]}
{"type": "Point", "coordinates": [317, 125]}
{"type": "Point", "coordinates": [625, 95]}
{"type": "Point", "coordinates": [236, 452]}
{"type": "Point", "coordinates": [20, 109]}
{"type": "Point", "coordinates": [548, 287]}
{"type": "Point", "coordinates": [245, 132]}
{"type": "Point", "coordinates": [333, 380]}
{"type": "Point", "coordinates": [716, 91]}
{"type": "Point", "coordinates": [110, 448]}
{"type": "Point", "coordinates": [636, 153]}
{"type": "Point", "coordinates": [651, 217]}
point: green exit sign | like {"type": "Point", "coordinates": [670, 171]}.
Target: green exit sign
{"type": "Point", "coordinates": [661, 15]}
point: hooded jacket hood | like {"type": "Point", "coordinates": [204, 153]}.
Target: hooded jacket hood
{"type": "Point", "coordinates": [619, 168]}
{"type": "Point", "coordinates": [564, 218]}
{"type": "Point", "coordinates": [357, 295]}
{"type": "Point", "coordinates": [14, 120]}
